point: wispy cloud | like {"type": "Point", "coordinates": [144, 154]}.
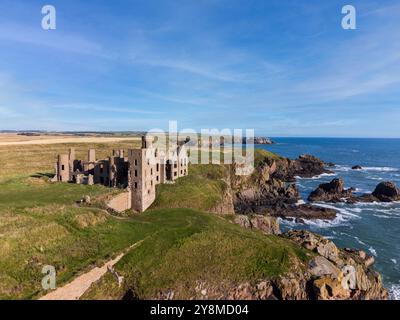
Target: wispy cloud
{"type": "Point", "coordinates": [56, 39]}
{"type": "Point", "coordinates": [278, 67]}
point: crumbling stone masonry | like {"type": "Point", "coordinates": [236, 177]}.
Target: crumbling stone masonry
{"type": "Point", "coordinates": [139, 172]}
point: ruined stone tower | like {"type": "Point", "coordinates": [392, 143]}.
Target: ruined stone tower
{"type": "Point", "coordinates": [145, 174]}
{"type": "Point", "coordinates": [139, 172]}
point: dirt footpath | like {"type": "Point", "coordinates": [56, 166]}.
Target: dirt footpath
{"type": "Point", "coordinates": [75, 289]}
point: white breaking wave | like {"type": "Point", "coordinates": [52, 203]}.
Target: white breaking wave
{"type": "Point", "coordinates": [376, 169]}
{"type": "Point", "coordinates": [342, 217]}
{"type": "Point", "coordinates": [394, 261]}
{"type": "Point", "coordinates": [373, 251]}
{"type": "Point", "coordinates": [382, 216]}
{"type": "Point", "coordinates": [380, 169]}
{"type": "Point", "coordinates": [360, 190]}
{"type": "Point", "coordinates": [317, 177]}
{"type": "Point", "coordinates": [394, 292]}
{"type": "Point", "coordinates": [355, 237]}
{"type": "Point", "coordinates": [342, 168]}
{"type": "Point", "coordinates": [347, 212]}
{"type": "Point", "coordinates": [374, 178]}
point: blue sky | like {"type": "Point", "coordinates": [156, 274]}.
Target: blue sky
{"type": "Point", "coordinates": [284, 68]}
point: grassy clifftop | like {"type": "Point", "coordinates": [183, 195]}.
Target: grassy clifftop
{"type": "Point", "coordinates": [192, 248]}
{"type": "Point", "coordinates": [203, 188]}
{"type": "Point", "coordinates": [40, 224]}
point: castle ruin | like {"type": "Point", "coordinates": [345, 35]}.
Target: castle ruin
{"type": "Point", "coordinates": [139, 172]}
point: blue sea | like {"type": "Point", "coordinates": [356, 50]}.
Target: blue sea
{"type": "Point", "coordinates": [372, 227]}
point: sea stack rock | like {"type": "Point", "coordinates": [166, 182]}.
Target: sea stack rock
{"type": "Point", "coordinates": [333, 191]}
{"type": "Point", "coordinates": [387, 191]}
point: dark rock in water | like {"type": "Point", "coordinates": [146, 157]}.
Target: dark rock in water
{"type": "Point", "coordinates": [266, 192]}
{"type": "Point", "coordinates": [303, 211]}
{"type": "Point", "coordinates": [357, 167]}
{"type": "Point", "coordinates": [306, 166]}
{"type": "Point", "coordinates": [387, 192]}
{"type": "Point", "coordinates": [333, 191]}
{"type": "Point", "coordinates": [384, 192]}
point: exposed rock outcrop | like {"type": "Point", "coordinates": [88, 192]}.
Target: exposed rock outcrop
{"type": "Point", "coordinates": [356, 167]}
{"type": "Point", "coordinates": [262, 290]}
{"type": "Point", "coordinates": [225, 206]}
{"type": "Point", "coordinates": [338, 274]}
{"type": "Point", "coordinates": [386, 192]}
{"type": "Point", "coordinates": [268, 225]}
{"type": "Point", "coordinates": [303, 211]}
{"type": "Point", "coordinates": [331, 274]}
{"type": "Point", "coordinates": [266, 192]}
{"type": "Point", "coordinates": [333, 191]}
{"type": "Point", "coordinates": [305, 166]}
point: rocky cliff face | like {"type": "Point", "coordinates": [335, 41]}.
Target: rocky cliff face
{"type": "Point", "coordinates": [267, 224]}
{"type": "Point", "coordinates": [331, 274]}
{"type": "Point", "coordinates": [305, 166]}
{"type": "Point", "coordinates": [337, 274]}
{"type": "Point", "coordinates": [270, 189]}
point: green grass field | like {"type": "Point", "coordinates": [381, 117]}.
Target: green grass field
{"type": "Point", "coordinates": [22, 160]}
{"type": "Point", "coordinates": [41, 224]}
{"type": "Point", "coordinates": [202, 189]}
{"type": "Point", "coordinates": [190, 246]}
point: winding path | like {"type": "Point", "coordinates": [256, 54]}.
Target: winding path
{"type": "Point", "coordinates": [76, 288]}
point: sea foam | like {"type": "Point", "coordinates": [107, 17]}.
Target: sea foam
{"type": "Point", "coordinates": [394, 292]}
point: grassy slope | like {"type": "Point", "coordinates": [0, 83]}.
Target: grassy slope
{"type": "Point", "coordinates": [190, 246]}
{"type": "Point", "coordinates": [202, 189]}
{"type": "Point", "coordinates": [40, 224]}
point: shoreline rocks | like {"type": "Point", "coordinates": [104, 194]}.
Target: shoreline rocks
{"type": "Point", "coordinates": [387, 192]}
{"type": "Point", "coordinates": [268, 225]}
{"type": "Point", "coordinates": [305, 166]}
{"type": "Point", "coordinates": [268, 191]}
{"type": "Point", "coordinates": [357, 167]}
{"type": "Point", "coordinates": [338, 273]}
{"type": "Point", "coordinates": [334, 192]}
{"type": "Point", "coordinates": [303, 211]}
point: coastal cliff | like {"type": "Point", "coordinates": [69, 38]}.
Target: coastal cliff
{"type": "Point", "coordinates": [316, 269]}
{"type": "Point", "coordinates": [271, 190]}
